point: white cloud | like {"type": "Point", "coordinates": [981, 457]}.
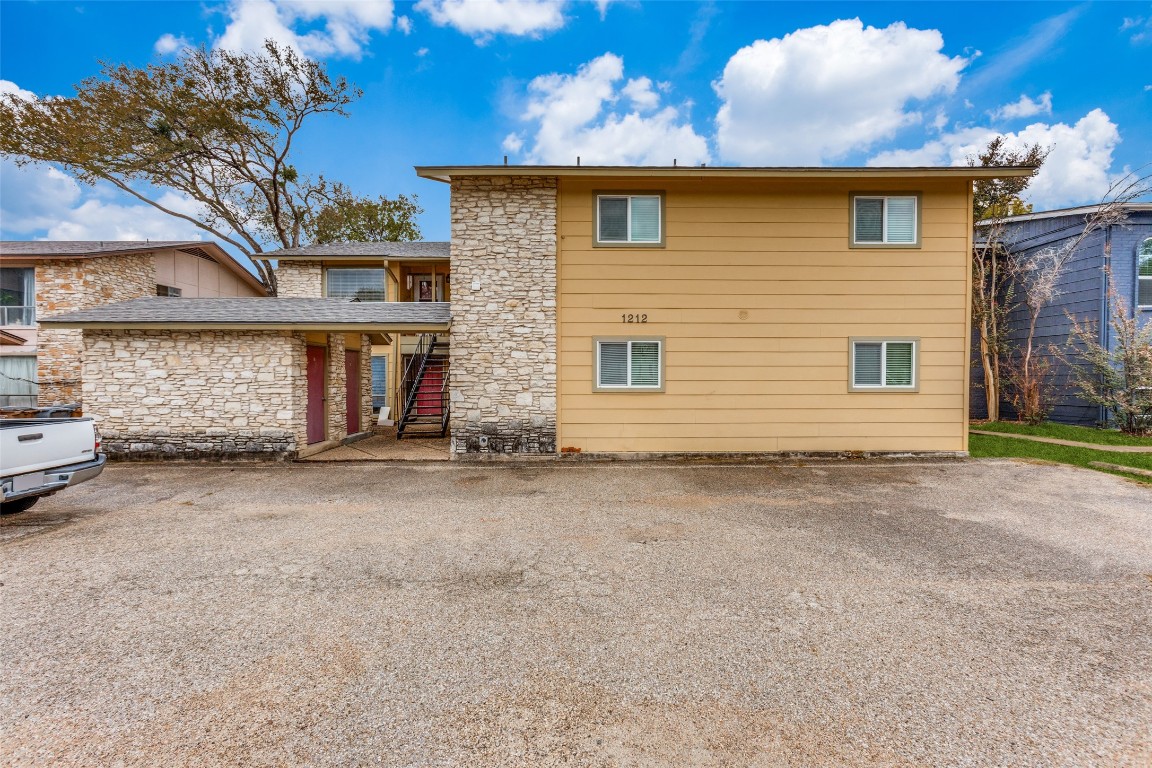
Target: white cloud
{"type": "Point", "coordinates": [482, 19]}
{"type": "Point", "coordinates": [169, 44]}
{"type": "Point", "coordinates": [422, 52]}
{"type": "Point", "coordinates": [1025, 107]}
{"type": "Point", "coordinates": [821, 92]}
{"type": "Point", "coordinates": [1077, 171]}
{"type": "Point", "coordinates": [574, 116]}
{"type": "Point", "coordinates": [513, 143]}
{"type": "Point", "coordinates": [347, 25]}
{"type": "Point", "coordinates": [1140, 29]}
{"type": "Point", "coordinates": [43, 202]}
{"type": "Point", "coordinates": [641, 93]}
{"type": "Point", "coordinates": [602, 6]}
{"type": "Point", "coordinates": [404, 24]}
{"type": "Point", "coordinates": [7, 86]}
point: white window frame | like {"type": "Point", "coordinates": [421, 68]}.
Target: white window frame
{"type": "Point", "coordinates": [882, 387]}
{"type": "Point", "coordinates": [1145, 244]}
{"type": "Point", "coordinates": [629, 340]}
{"type": "Point", "coordinates": [884, 243]}
{"type": "Point", "coordinates": [630, 243]}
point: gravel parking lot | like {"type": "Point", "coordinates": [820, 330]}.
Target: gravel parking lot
{"type": "Point", "coordinates": [946, 613]}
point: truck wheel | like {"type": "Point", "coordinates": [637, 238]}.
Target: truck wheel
{"type": "Point", "coordinates": [12, 507]}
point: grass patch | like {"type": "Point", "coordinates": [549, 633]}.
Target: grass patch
{"type": "Point", "coordinates": [989, 447]}
{"type": "Point", "coordinates": [1066, 432]}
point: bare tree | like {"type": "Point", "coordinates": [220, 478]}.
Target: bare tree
{"type": "Point", "coordinates": [992, 278]}
{"type": "Point", "coordinates": [1037, 276]}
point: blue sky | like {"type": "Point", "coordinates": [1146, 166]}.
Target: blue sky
{"type": "Point", "coordinates": [624, 82]}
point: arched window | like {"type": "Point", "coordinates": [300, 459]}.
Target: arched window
{"type": "Point", "coordinates": [1144, 272]}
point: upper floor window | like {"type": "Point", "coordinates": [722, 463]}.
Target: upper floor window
{"type": "Point", "coordinates": [629, 219]}
{"type": "Point", "coordinates": [167, 290]}
{"type": "Point", "coordinates": [17, 296]}
{"type": "Point", "coordinates": [885, 220]}
{"type": "Point", "coordinates": [365, 284]}
{"type": "Point", "coordinates": [1144, 274]}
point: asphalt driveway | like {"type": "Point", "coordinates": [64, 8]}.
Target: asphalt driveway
{"type": "Point", "coordinates": [952, 613]}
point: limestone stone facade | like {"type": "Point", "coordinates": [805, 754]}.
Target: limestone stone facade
{"type": "Point", "coordinates": [503, 353]}
{"type": "Point", "coordinates": [365, 383]}
{"type": "Point", "coordinates": [197, 394]}
{"type": "Point", "coordinates": [337, 389]}
{"type": "Point", "coordinates": [64, 285]}
{"type": "Point", "coordinates": [300, 279]}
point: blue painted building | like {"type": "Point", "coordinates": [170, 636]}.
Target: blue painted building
{"type": "Point", "coordinates": [1082, 293]}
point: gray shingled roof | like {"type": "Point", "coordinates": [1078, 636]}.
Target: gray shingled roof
{"type": "Point", "coordinates": [417, 250]}
{"type": "Point", "coordinates": [87, 247]}
{"type": "Point", "coordinates": [299, 314]}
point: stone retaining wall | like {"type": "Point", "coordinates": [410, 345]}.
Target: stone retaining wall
{"type": "Point", "coordinates": [197, 394]}
{"type": "Point", "coordinates": [67, 285]}
{"type": "Point", "coordinates": [503, 353]}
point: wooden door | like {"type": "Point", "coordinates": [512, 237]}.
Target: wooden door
{"type": "Point", "coordinates": [352, 378]}
{"type": "Point", "coordinates": [317, 362]}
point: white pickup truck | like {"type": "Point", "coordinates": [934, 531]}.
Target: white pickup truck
{"type": "Point", "coordinates": [39, 457]}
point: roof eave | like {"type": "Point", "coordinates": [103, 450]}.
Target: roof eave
{"type": "Point", "coordinates": [423, 327]}
{"type": "Point", "coordinates": [445, 173]}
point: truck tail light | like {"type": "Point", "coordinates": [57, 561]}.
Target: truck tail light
{"type": "Point", "coordinates": [98, 440]}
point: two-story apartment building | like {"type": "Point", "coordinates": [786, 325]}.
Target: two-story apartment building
{"type": "Point", "coordinates": [41, 278]}
{"type": "Point", "coordinates": [600, 310]}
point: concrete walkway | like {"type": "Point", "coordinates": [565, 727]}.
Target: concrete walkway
{"type": "Point", "coordinates": [1072, 443]}
{"type": "Point", "coordinates": [385, 447]}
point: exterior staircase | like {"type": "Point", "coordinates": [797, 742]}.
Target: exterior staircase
{"type": "Point", "coordinates": [424, 391]}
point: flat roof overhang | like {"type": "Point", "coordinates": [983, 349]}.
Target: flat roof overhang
{"type": "Point", "coordinates": [446, 173]}
{"type": "Point", "coordinates": [261, 314]}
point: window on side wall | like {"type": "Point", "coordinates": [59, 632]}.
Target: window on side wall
{"type": "Point", "coordinates": [167, 290]}
{"type": "Point", "coordinates": [17, 296]}
{"type": "Point", "coordinates": [885, 220]}
{"type": "Point", "coordinates": [884, 364]}
{"type": "Point", "coordinates": [1144, 275]}
{"type": "Point", "coordinates": [18, 381]}
{"type": "Point", "coordinates": [365, 284]}
{"type": "Point", "coordinates": [629, 365]}
{"type": "Point", "coordinates": [629, 219]}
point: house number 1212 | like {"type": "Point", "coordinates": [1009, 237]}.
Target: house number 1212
{"type": "Point", "coordinates": [629, 318]}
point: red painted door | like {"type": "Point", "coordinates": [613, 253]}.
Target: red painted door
{"type": "Point", "coordinates": [352, 377]}
{"type": "Point", "coordinates": [317, 362]}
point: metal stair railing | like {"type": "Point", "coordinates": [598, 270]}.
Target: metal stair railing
{"type": "Point", "coordinates": [413, 375]}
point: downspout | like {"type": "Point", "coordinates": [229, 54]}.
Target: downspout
{"type": "Point", "coordinates": [1106, 271]}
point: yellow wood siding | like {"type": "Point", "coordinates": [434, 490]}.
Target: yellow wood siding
{"type": "Point", "coordinates": [756, 294]}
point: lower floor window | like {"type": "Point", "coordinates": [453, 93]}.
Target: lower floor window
{"type": "Point", "coordinates": [379, 381]}
{"type": "Point", "coordinates": [629, 364]}
{"type": "Point", "coordinates": [884, 363]}
{"type": "Point", "coordinates": [18, 381]}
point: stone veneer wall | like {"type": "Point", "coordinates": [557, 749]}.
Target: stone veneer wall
{"type": "Point", "coordinates": [66, 285]}
{"type": "Point", "coordinates": [197, 394]}
{"type": "Point", "coordinates": [503, 353]}
{"type": "Point", "coordinates": [300, 279]}
{"type": "Point", "coordinates": [337, 389]}
{"type": "Point", "coordinates": [366, 383]}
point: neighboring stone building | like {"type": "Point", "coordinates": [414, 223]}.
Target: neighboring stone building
{"type": "Point", "coordinates": [606, 311]}
{"type": "Point", "coordinates": [241, 377]}
{"type": "Point", "coordinates": [43, 278]}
